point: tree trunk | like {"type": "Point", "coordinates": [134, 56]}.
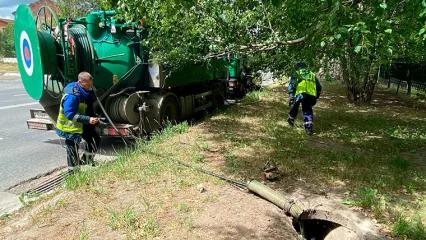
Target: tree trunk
{"type": "Point", "coordinates": [346, 79]}
{"type": "Point", "coordinates": [371, 85]}
{"type": "Point", "coordinates": [389, 75]}
{"type": "Point", "coordinates": [409, 83]}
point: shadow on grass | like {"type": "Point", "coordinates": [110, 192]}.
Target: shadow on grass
{"type": "Point", "coordinates": [357, 149]}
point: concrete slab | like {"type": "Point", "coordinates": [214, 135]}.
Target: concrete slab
{"type": "Point", "coordinates": [9, 203]}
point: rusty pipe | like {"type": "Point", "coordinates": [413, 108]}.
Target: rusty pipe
{"type": "Point", "coordinates": [276, 198]}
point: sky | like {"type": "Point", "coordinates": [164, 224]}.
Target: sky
{"type": "Point", "coordinates": [9, 6]}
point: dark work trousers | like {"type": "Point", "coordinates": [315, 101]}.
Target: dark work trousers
{"type": "Point", "coordinates": [92, 139]}
{"type": "Point", "coordinates": [308, 115]}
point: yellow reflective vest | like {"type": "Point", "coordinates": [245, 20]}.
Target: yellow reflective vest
{"type": "Point", "coordinates": [306, 82]}
{"type": "Point", "coordinates": [70, 126]}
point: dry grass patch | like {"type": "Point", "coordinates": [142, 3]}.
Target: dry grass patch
{"type": "Point", "coordinates": [8, 67]}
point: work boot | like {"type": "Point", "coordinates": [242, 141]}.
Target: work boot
{"type": "Point", "coordinates": [87, 160]}
{"type": "Point", "coordinates": [290, 121]}
{"type": "Point", "coordinates": [309, 132]}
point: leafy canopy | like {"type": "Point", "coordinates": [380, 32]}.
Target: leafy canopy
{"type": "Point", "coordinates": [190, 30]}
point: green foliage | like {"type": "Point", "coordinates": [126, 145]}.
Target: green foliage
{"type": "Point", "coordinates": [169, 130]}
{"type": "Point", "coordinates": [114, 220]}
{"type": "Point", "coordinates": [400, 163]}
{"type": "Point", "coordinates": [358, 35]}
{"type": "Point", "coordinates": [83, 232]}
{"type": "Point", "coordinates": [7, 44]}
{"type": "Point", "coordinates": [75, 8]}
{"type": "Point", "coordinates": [407, 133]}
{"type": "Point", "coordinates": [367, 198]}
{"type": "Point", "coordinates": [410, 228]}
{"type": "Point", "coordinates": [251, 97]}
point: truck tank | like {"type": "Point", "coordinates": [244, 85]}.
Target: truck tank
{"type": "Point", "coordinates": [134, 92]}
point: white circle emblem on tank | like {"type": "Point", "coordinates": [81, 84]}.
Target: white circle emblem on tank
{"type": "Point", "coordinates": [26, 53]}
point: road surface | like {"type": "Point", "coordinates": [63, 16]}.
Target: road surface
{"type": "Point", "coordinates": [27, 153]}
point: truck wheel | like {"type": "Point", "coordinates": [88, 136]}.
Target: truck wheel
{"type": "Point", "coordinates": [241, 89]}
{"type": "Point", "coordinates": [169, 111]}
{"type": "Point", "coordinates": [218, 95]}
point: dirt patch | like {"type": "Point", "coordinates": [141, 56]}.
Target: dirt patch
{"type": "Point", "coordinates": [239, 215]}
{"type": "Point", "coordinates": [229, 214]}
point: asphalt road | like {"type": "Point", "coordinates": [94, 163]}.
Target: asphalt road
{"type": "Point", "coordinates": [27, 153]}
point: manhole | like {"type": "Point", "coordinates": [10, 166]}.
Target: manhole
{"type": "Point", "coordinates": [312, 224]}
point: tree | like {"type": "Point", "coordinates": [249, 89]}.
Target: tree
{"type": "Point", "coordinates": [7, 46]}
{"type": "Point", "coordinates": [76, 8]}
{"type": "Point", "coordinates": [354, 36]}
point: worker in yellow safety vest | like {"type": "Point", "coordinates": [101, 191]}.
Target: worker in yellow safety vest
{"type": "Point", "coordinates": [77, 120]}
{"type": "Point", "coordinates": [304, 88]}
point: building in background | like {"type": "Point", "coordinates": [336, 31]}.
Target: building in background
{"type": "Point", "coordinates": [4, 22]}
{"type": "Point", "coordinates": [35, 6]}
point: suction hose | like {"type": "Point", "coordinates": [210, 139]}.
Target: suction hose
{"type": "Point", "coordinates": [238, 183]}
{"type": "Point", "coordinates": [108, 118]}
{"type": "Point", "coordinates": [83, 47]}
{"type": "Point", "coordinates": [276, 198]}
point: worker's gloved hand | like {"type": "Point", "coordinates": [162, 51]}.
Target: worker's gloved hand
{"type": "Point", "coordinates": [101, 122]}
{"type": "Point", "coordinates": [93, 120]}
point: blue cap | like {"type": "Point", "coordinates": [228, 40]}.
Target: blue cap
{"type": "Point", "coordinates": [300, 65]}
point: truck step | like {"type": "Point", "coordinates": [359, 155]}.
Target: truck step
{"type": "Point", "coordinates": [39, 120]}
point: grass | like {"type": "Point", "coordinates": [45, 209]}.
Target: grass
{"type": "Point", "coordinates": [409, 228]}
{"type": "Point", "coordinates": [372, 156]}
{"type": "Point", "coordinates": [8, 67]}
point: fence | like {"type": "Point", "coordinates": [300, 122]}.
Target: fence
{"type": "Point", "coordinates": [405, 75]}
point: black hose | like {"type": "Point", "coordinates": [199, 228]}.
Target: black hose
{"type": "Point", "coordinates": [224, 98]}
{"type": "Point", "coordinates": [121, 92]}
{"type": "Point", "coordinates": [108, 118]}
{"type": "Point", "coordinates": [83, 48]}
{"type": "Point", "coordinates": [238, 183]}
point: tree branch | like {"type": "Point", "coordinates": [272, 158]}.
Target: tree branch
{"type": "Point", "coordinates": [255, 48]}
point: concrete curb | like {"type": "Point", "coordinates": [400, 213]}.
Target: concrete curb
{"type": "Point", "coordinates": [9, 203]}
{"type": "Point", "coordinates": [15, 74]}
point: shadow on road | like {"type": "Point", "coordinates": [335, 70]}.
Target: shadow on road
{"type": "Point", "coordinates": [109, 146]}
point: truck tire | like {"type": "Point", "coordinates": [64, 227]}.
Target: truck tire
{"type": "Point", "coordinates": [169, 111]}
{"type": "Point", "coordinates": [219, 93]}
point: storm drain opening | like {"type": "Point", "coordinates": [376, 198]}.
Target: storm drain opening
{"type": "Point", "coordinates": [48, 185]}
{"type": "Point", "coordinates": [321, 224]}
{"type": "Point", "coordinates": [312, 224]}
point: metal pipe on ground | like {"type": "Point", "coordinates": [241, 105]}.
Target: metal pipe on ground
{"type": "Point", "coordinates": [312, 224]}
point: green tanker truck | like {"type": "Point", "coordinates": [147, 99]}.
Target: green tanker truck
{"type": "Point", "coordinates": [240, 77]}
{"type": "Point", "coordinates": [138, 96]}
